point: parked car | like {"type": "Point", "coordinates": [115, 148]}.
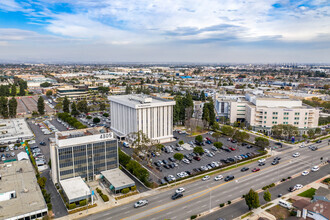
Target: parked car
{"type": "Point", "coordinates": [197, 158]}
{"type": "Point", "coordinates": [318, 141]}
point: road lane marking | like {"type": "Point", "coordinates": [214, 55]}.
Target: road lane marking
{"type": "Point", "coordinates": [204, 192]}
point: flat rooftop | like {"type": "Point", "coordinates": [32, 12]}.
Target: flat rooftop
{"type": "Point", "coordinates": [75, 188]}
{"type": "Point", "coordinates": [118, 178]}
{"type": "Point", "coordinates": [137, 100]}
{"type": "Point", "coordinates": [80, 133]}
{"type": "Point", "coordinates": [19, 176]}
{"type": "Point", "coordinates": [13, 129]}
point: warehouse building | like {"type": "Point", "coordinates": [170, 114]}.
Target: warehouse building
{"type": "Point", "coordinates": [151, 115]}
{"type": "Point", "coordinates": [20, 194]}
{"type": "Point", "coordinates": [14, 130]}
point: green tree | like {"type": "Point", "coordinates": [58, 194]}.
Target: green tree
{"type": "Point", "coordinates": [12, 107]}
{"type": "Point", "coordinates": [123, 158]}
{"type": "Point", "coordinates": [66, 105]}
{"type": "Point", "coordinates": [199, 138]}
{"type": "Point", "coordinates": [49, 93]}
{"type": "Point", "coordinates": [218, 145]}
{"type": "Point", "coordinates": [45, 84]}
{"type": "Point", "coordinates": [267, 196]}
{"type": "Point", "coordinates": [252, 199]}
{"type": "Point", "coordinates": [317, 130]}
{"type": "Point", "coordinates": [216, 135]}
{"type": "Point", "coordinates": [41, 105]}
{"type": "Point", "coordinates": [13, 90]}
{"type": "Point", "coordinates": [74, 110]}
{"type": "Point", "coordinates": [241, 136]}
{"type": "Point", "coordinates": [82, 106]}
{"type": "Point", "coordinates": [103, 89]}
{"type": "Point", "coordinates": [311, 133]}
{"type": "Point", "coordinates": [261, 142]}
{"type": "Point", "coordinates": [42, 182]}
{"type": "Point", "coordinates": [4, 106]}
{"type": "Point", "coordinates": [206, 114]}
{"type": "Point", "coordinates": [128, 89]}
{"type": "Point", "coordinates": [96, 120]}
{"type": "Point", "coordinates": [227, 130]}
{"type": "Point", "coordinates": [215, 126]}
{"type": "Point", "coordinates": [181, 142]}
{"type": "Point", "coordinates": [198, 150]}
{"type": "Point", "coordinates": [102, 106]}
{"type": "Point", "coordinates": [202, 96]}
{"type": "Point", "coordinates": [178, 156]}
{"type": "Point", "coordinates": [21, 89]}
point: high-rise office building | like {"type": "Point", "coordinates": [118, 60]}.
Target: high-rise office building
{"type": "Point", "coordinates": [151, 115]}
{"type": "Point", "coordinates": [85, 153]}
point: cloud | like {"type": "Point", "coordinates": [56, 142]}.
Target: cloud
{"type": "Point", "coordinates": [10, 5]}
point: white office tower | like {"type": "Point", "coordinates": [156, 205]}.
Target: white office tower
{"type": "Point", "coordinates": [151, 115]}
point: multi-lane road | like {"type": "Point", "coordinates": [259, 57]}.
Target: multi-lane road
{"type": "Point", "coordinates": [201, 195]}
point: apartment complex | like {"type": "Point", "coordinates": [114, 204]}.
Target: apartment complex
{"type": "Point", "coordinates": [85, 153]}
{"type": "Point", "coordinates": [263, 112]}
{"type": "Point", "coordinates": [151, 115]}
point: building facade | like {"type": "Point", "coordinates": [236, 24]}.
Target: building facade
{"type": "Point", "coordinates": [153, 116]}
{"type": "Point", "coordinates": [85, 153]}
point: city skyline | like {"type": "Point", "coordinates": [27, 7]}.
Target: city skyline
{"type": "Point", "coordinates": [181, 31]}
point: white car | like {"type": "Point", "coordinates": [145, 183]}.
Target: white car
{"type": "Point", "coordinates": [180, 190]}
{"type": "Point", "coordinates": [296, 154]}
{"type": "Point", "coordinates": [262, 160]}
{"type": "Point", "coordinates": [302, 145]}
{"type": "Point", "coordinates": [305, 173]}
{"type": "Point", "coordinates": [140, 203]}
{"type": "Point", "coordinates": [207, 177]}
{"type": "Point", "coordinates": [219, 177]}
{"type": "Point", "coordinates": [298, 186]}
{"type": "Point", "coordinates": [315, 168]}
{"type": "Point", "coordinates": [185, 161]}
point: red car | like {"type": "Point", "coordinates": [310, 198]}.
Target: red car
{"type": "Point", "coordinates": [232, 149]}
{"type": "Point", "coordinates": [207, 138]}
{"type": "Point", "coordinates": [256, 169]}
{"type": "Point", "coordinates": [197, 158]}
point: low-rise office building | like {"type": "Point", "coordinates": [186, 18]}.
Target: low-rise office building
{"type": "Point", "coordinates": [72, 92]}
{"type": "Point", "coordinates": [83, 153]}
{"type": "Point", "coordinates": [75, 189]}
{"type": "Point", "coordinates": [20, 194]}
{"type": "Point", "coordinates": [14, 130]}
{"type": "Point", "coordinates": [151, 115]}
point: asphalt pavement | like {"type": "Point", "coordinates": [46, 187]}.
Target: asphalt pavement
{"type": "Point", "coordinates": [237, 209]}
{"type": "Point", "coordinates": [200, 196]}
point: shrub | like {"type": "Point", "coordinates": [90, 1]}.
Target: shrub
{"type": "Point", "coordinates": [49, 206]}
{"type": "Point", "coordinates": [124, 191]}
{"type": "Point", "coordinates": [289, 177]}
{"type": "Point", "coordinates": [193, 216]}
{"type": "Point", "coordinates": [133, 188]}
{"type": "Point", "coordinates": [105, 198]}
{"type": "Point", "coordinates": [83, 202]}
{"type": "Point", "coordinates": [72, 206]}
{"type": "Point", "coordinates": [229, 202]}
{"type": "Point", "coordinates": [222, 205]}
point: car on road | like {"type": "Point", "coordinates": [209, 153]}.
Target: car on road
{"type": "Point", "coordinates": [315, 168]}
{"type": "Point", "coordinates": [275, 162]}
{"type": "Point", "coordinates": [277, 158]}
{"type": "Point", "coordinates": [314, 148]}
{"type": "Point", "coordinates": [296, 154]}
{"type": "Point", "coordinates": [180, 190]}
{"type": "Point", "coordinates": [177, 196]}
{"type": "Point", "coordinates": [305, 173]}
{"type": "Point", "coordinates": [219, 177]}
{"type": "Point", "coordinates": [298, 186]}
{"type": "Point", "coordinates": [207, 177]}
{"type": "Point", "coordinates": [140, 203]}
{"type": "Point", "coordinates": [230, 177]}
{"type": "Point", "coordinates": [262, 160]}
{"type": "Point", "coordinates": [256, 169]}
{"type": "Point", "coordinates": [244, 169]}
{"type": "Point", "coordinates": [318, 141]}
{"type": "Point", "coordinates": [262, 164]}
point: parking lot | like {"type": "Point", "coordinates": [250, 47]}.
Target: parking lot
{"type": "Point", "coordinates": [104, 121]}
{"type": "Point", "coordinates": [220, 156]}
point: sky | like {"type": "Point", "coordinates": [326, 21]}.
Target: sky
{"type": "Point", "coordinates": [165, 31]}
